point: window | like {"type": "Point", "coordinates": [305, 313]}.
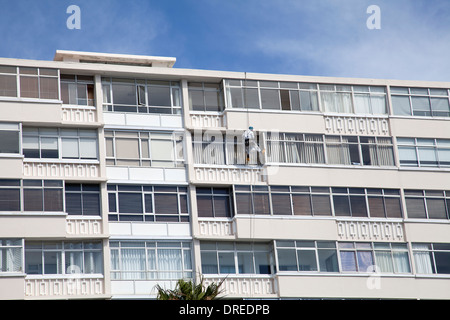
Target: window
{"type": "Point", "coordinates": [307, 256]}
{"type": "Point", "coordinates": [44, 195]}
{"type": "Point", "coordinates": [38, 83]}
{"type": "Point", "coordinates": [77, 90]}
{"type": "Point", "coordinates": [148, 203]}
{"type": "Point", "coordinates": [295, 148]}
{"type": "Point", "coordinates": [10, 195]}
{"type": "Point", "coordinates": [27, 82]}
{"type": "Point", "coordinates": [8, 81]}
{"type": "Point", "coordinates": [220, 149]}
{"type": "Point", "coordinates": [419, 152]}
{"type": "Point", "coordinates": [340, 150]}
{"type": "Point", "coordinates": [214, 202]}
{"type": "Point", "coordinates": [63, 258]}
{"type": "Point", "coordinates": [272, 95]}
{"type": "Point", "coordinates": [356, 257]}
{"type": "Point", "coordinates": [56, 143]}
{"type": "Point", "coordinates": [149, 260]}
{"type": "Point", "coordinates": [11, 251]}
{"type": "Point", "coordinates": [353, 99]}
{"type": "Point", "coordinates": [236, 258]}
{"type": "Point", "coordinates": [425, 102]}
{"type": "Point", "coordinates": [392, 257]}
{"type": "Point", "coordinates": [427, 204]}
{"type": "Point", "coordinates": [141, 96]}
{"type": "Point", "coordinates": [431, 258]}
{"type": "Point", "coordinates": [352, 150]}
{"type": "Point", "coordinates": [144, 149]}
{"type": "Point", "coordinates": [205, 96]}
{"type": "Point", "coordinates": [82, 199]}
{"type": "Point", "coordinates": [9, 138]}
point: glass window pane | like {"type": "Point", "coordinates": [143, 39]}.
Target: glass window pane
{"type": "Point", "coordinates": [127, 148]}
{"type": "Point", "coordinates": [306, 260]}
{"type": "Point", "coordinates": [209, 262]}
{"type": "Point", "coordinates": [88, 148]}
{"type": "Point", "coordinates": [53, 200]}
{"type": "Point", "coordinates": [408, 156]}
{"type": "Point", "coordinates": [358, 205]}
{"type": "Point", "coordinates": [401, 106]}
{"type": "Point", "coordinates": [328, 260]}
{"type": "Point", "coordinates": [245, 262]}
{"type": "Point", "coordinates": [376, 207]}
{"type": "Point", "coordinates": [8, 86]}
{"type": "Point", "coordinates": [348, 261]}
{"type": "Point", "coordinates": [49, 147]}
{"type": "Point", "coordinates": [70, 148]}
{"type": "Point", "coordinates": [442, 262]}
{"type": "Point", "coordinates": [48, 88]}
{"type": "Point", "coordinates": [427, 156]}
{"type": "Point", "coordinates": [262, 263]}
{"type": "Point", "coordinates": [321, 205]}
{"type": "Point", "coordinates": [124, 94]}
{"type": "Point", "coordinates": [130, 203]}
{"type": "Point", "coordinates": [226, 262]}
{"type": "Point", "coordinates": [341, 205]}
{"type": "Point", "coordinates": [281, 204]}
{"type": "Point", "coordinates": [415, 208]}
{"type": "Point", "coordinates": [421, 106]}
{"type": "Point", "coordinates": [365, 261]}
{"type": "Point", "coordinates": [33, 200]}
{"type": "Point", "coordinates": [29, 87]}
{"type": "Point", "coordinates": [270, 99]}
{"type": "Point", "coordinates": [301, 204]}
{"type": "Point", "coordinates": [436, 208]}
{"type": "Point", "coordinates": [9, 142]}
{"type": "Point", "coordinates": [159, 96]}
{"type": "Point", "coordinates": [287, 260]}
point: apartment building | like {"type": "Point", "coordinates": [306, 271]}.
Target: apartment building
{"type": "Point", "coordinates": [121, 172]}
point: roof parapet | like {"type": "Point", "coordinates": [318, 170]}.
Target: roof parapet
{"type": "Point", "coordinates": [109, 58]}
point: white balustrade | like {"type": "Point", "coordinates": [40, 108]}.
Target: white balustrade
{"type": "Point", "coordinates": [83, 227]}
{"type": "Point", "coordinates": [370, 230]}
{"type": "Point", "coordinates": [64, 287]}
{"type": "Point", "coordinates": [246, 286]}
{"type": "Point", "coordinates": [207, 121]}
{"type": "Point", "coordinates": [60, 170]}
{"type": "Point", "coordinates": [216, 228]}
{"type": "Point", "coordinates": [229, 175]}
{"type": "Point", "coordinates": [79, 115]}
{"type": "Point", "coordinates": [357, 125]}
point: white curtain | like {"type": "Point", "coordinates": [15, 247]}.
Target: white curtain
{"type": "Point", "coordinates": [401, 262]}
{"type": "Point", "coordinates": [133, 264]}
{"type": "Point", "coordinates": [294, 148]}
{"type": "Point", "coordinates": [384, 261]}
{"type": "Point", "coordinates": [314, 149]}
{"type": "Point", "coordinates": [422, 259]}
{"type": "Point", "coordinates": [169, 263]}
{"type": "Point", "coordinates": [385, 152]}
{"type": "Point", "coordinates": [275, 148]}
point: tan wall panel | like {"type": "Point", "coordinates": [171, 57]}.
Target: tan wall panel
{"type": "Point", "coordinates": [420, 128]}
{"type": "Point", "coordinates": [427, 232]}
{"type": "Point", "coordinates": [363, 287]}
{"type": "Point", "coordinates": [260, 228]}
{"type": "Point", "coordinates": [21, 226]}
{"type": "Point", "coordinates": [31, 112]}
{"type": "Point", "coordinates": [12, 288]}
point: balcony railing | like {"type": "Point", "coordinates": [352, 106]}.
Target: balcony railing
{"type": "Point", "coordinates": [370, 230]}
{"type": "Point", "coordinates": [216, 227]}
{"type": "Point", "coordinates": [357, 125]}
{"type": "Point", "coordinates": [60, 170]}
{"type": "Point", "coordinates": [238, 175]}
{"type": "Point", "coordinates": [248, 286]}
{"type": "Point", "coordinates": [69, 287]}
{"type": "Point", "coordinates": [204, 120]}
{"type": "Point", "coordinates": [84, 226]}
{"type": "Point", "coordinates": [79, 115]}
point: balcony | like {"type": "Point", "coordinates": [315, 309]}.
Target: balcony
{"type": "Point", "coordinates": [351, 230]}
{"type": "Point", "coordinates": [246, 286]}
{"type": "Point", "coordinates": [216, 228]}
{"type": "Point", "coordinates": [82, 226]}
{"type": "Point", "coordinates": [60, 169]}
{"type": "Point", "coordinates": [228, 175]}
{"type": "Point", "coordinates": [207, 120]}
{"type": "Point", "coordinates": [78, 115]}
{"type": "Point", "coordinates": [64, 287]}
{"type": "Point", "coordinates": [357, 125]}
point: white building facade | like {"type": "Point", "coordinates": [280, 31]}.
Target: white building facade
{"type": "Point", "coordinates": [119, 172]}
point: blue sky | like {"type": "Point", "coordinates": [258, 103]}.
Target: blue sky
{"type": "Point", "coordinates": [304, 37]}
